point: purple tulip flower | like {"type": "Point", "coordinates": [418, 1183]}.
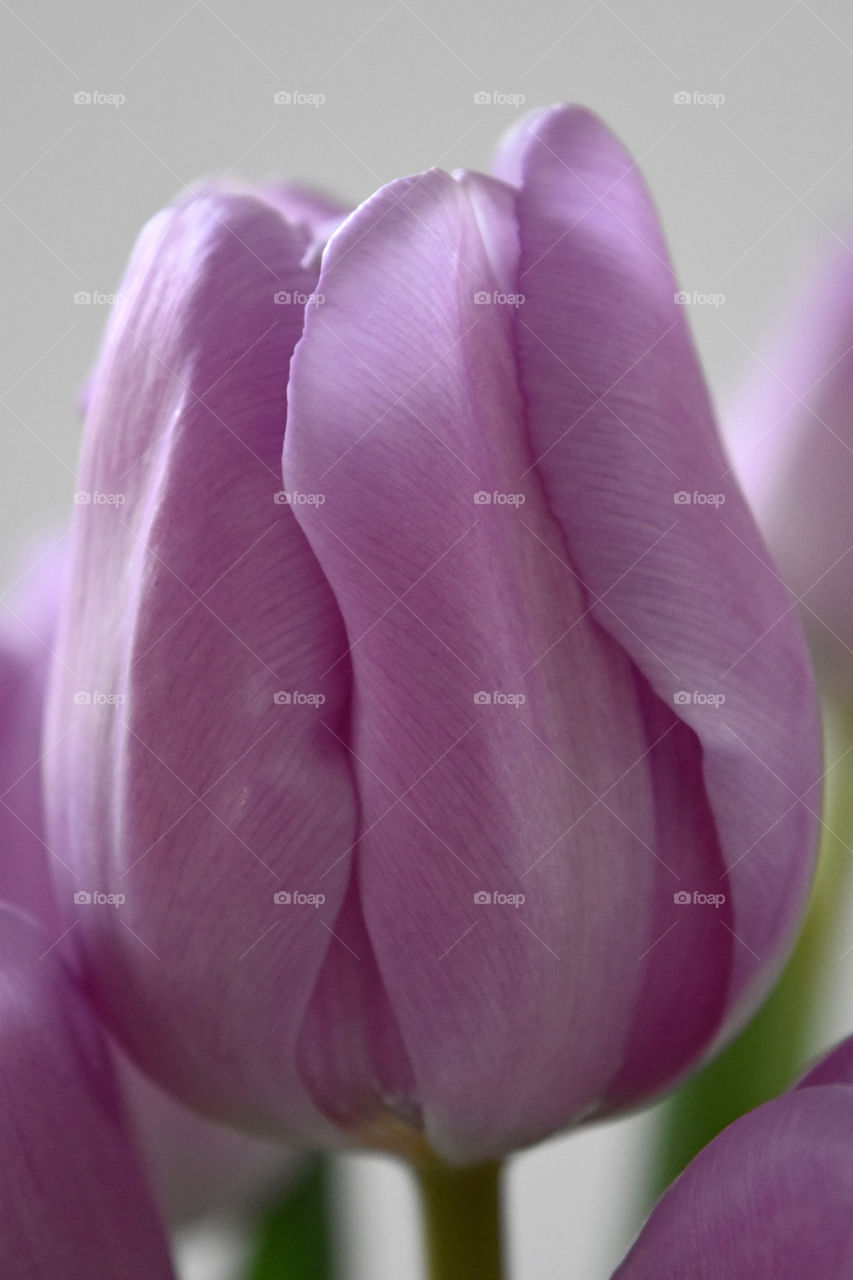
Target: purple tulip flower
{"type": "Point", "coordinates": [791, 436]}
{"type": "Point", "coordinates": [771, 1198]}
{"type": "Point", "coordinates": [195, 1167]}
{"type": "Point", "coordinates": [452, 777]}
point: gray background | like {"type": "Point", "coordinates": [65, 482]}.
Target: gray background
{"type": "Point", "coordinates": [750, 191]}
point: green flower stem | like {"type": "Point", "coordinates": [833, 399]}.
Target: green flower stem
{"type": "Point", "coordinates": [776, 1045]}
{"type": "Point", "coordinates": [462, 1220]}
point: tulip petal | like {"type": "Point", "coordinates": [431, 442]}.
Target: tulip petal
{"type": "Point", "coordinates": [624, 440]}
{"type": "Point", "coordinates": [790, 432]}
{"type": "Point", "coordinates": [196, 1167]}
{"type": "Point", "coordinates": [770, 1198]}
{"type": "Point", "coordinates": [402, 405]}
{"type": "Point", "coordinates": [835, 1068]}
{"type": "Point", "coordinates": [26, 642]}
{"type": "Point", "coordinates": [74, 1201]}
{"type": "Point", "coordinates": [688, 956]}
{"type": "Point", "coordinates": [305, 206]}
{"type": "Point", "coordinates": [196, 779]}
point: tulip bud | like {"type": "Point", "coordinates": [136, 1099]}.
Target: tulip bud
{"type": "Point", "coordinates": [451, 775]}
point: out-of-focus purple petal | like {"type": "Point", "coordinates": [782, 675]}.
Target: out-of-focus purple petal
{"type": "Point", "coordinates": [27, 628]}
{"type": "Point", "coordinates": [769, 1199]}
{"type": "Point", "coordinates": [624, 439]}
{"type": "Point", "coordinates": [195, 1167]}
{"type": "Point", "coordinates": [305, 206]}
{"type": "Point", "coordinates": [790, 432]}
{"type": "Point", "coordinates": [191, 775]}
{"type": "Point", "coordinates": [74, 1202]}
{"type": "Point", "coordinates": [835, 1068]}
